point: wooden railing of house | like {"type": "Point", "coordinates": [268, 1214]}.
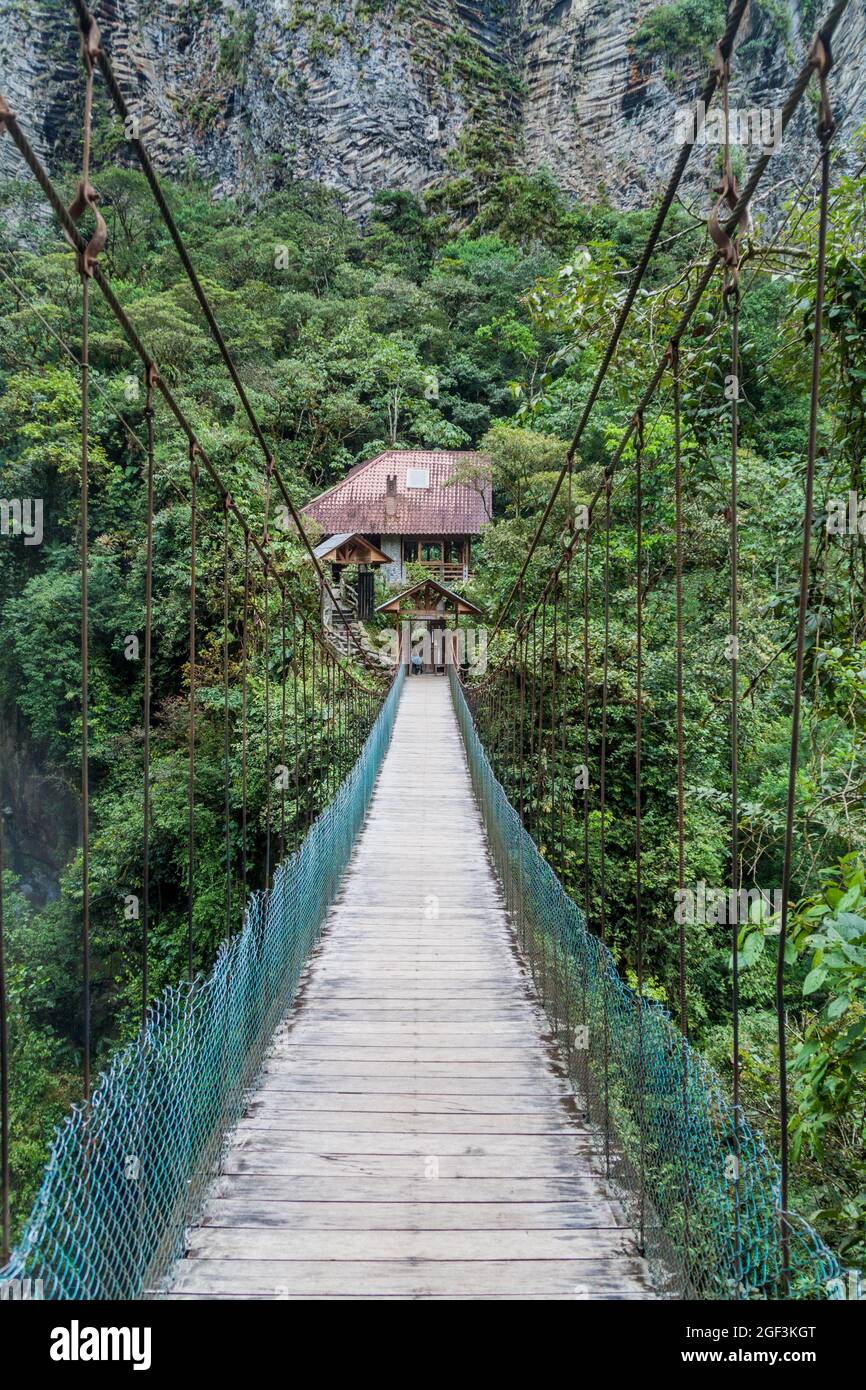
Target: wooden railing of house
{"type": "Point", "coordinates": [446, 573]}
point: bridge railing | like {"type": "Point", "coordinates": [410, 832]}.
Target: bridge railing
{"type": "Point", "coordinates": [129, 1172]}
{"type": "Point", "coordinates": [697, 1180]}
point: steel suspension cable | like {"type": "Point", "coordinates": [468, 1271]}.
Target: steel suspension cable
{"type": "Point", "coordinates": [244, 710]}
{"type": "Point", "coordinates": [564, 721]}
{"type": "Point", "coordinates": [148, 656]}
{"type": "Point", "coordinates": [269, 469]}
{"type": "Point", "coordinates": [735, 660]}
{"type": "Point", "coordinates": [330, 699]}
{"type": "Point", "coordinates": [268, 769]}
{"type": "Point", "coordinates": [85, 200]}
{"type": "Point", "coordinates": [554, 691]}
{"type": "Point", "coordinates": [335, 753]}
{"type": "Point", "coordinates": [729, 250]}
{"type": "Point", "coordinates": [732, 292]}
{"type": "Point", "coordinates": [638, 848]}
{"type": "Point", "coordinates": [226, 739]}
{"type": "Point", "coordinates": [315, 739]}
{"type": "Point", "coordinates": [296, 752]}
{"type": "Point", "coordinates": [551, 824]}
{"type": "Point", "coordinates": [305, 718]}
{"type": "Point", "coordinates": [193, 475]}
{"type": "Point", "coordinates": [524, 656]}
{"type": "Point", "coordinates": [602, 792]}
{"type": "Point", "coordinates": [332, 706]}
{"type": "Point", "coordinates": [283, 765]}
{"type": "Point", "coordinates": [530, 803]}
{"type": "Point", "coordinates": [821, 58]}
{"type": "Point", "coordinates": [513, 791]}
{"type": "Point", "coordinates": [681, 797]}
{"type": "Point", "coordinates": [539, 776]}
{"type": "Point", "coordinates": [5, 1185]}
{"type": "Point", "coordinates": [585, 614]}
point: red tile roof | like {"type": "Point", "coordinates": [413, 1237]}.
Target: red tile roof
{"type": "Point", "coordinates": [360, 501]}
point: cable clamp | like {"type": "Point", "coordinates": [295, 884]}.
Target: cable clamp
{"type": "Point", "coordinates": [151, 377]}
{"type": "Point", "coordinates": [91, 44]}
{"type": "Point", "coordinates": [637, 421]}
{"type": "Point", "coordinates": [86, 197]}
{"type": "Point", "coordinates": [6, 113]}
{"type": "Point", "coordinates": [821, 58]}
{"type": "Point", "coordinates": [720, 64]}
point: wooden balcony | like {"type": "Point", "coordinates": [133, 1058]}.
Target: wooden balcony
{"type": "Point", "coordinates": [443, 557]}
{"type": "Point", "coordinates": [445, 572]}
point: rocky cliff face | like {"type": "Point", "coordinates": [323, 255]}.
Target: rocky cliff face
{"type": "Point", "coordinates": [605, 116]}
{"type": "Point", "coordinates": [368, 94]}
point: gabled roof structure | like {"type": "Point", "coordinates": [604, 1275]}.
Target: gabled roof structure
{"type": "Point", "coordinates": [350, 548]}
{"type": "Point", "coordinates": [431, 599]}
{"type": "Point", "coordinates": [407, 492]}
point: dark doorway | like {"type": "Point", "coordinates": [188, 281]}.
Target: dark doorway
{"type": "Point", "coordinates": [364, 587]}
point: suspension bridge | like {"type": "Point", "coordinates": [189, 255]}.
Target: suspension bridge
{"type": "Point", "coordinates": [410, 1067]}
{"type": "Point", "coordinates": [413, 1134]}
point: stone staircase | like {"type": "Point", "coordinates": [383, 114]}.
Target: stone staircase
{"type": "Point", "coordinates": [347, 633]}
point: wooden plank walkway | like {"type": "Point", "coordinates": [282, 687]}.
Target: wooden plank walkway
{"type": "Point", "coordinates": [412, 1137]}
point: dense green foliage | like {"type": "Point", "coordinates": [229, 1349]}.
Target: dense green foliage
{"type": "Point", "coordinates": [679, 28]}
{"type": "Point", "coordinates": [422, 330]}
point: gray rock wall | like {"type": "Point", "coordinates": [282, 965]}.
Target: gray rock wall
{"type": "Point", "coordinates": [368, 94]}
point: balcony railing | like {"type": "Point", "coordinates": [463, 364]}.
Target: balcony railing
{"type": "Point", "coordinates": [445, 571]}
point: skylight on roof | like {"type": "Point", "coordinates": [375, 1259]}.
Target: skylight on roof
{"type": "Point", "coordinates": [417, 477]}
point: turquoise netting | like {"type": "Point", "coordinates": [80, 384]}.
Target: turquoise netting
{"type": "Point", "coordinates": [128, 1173]}
{"type": "Point", "coordinates": [669, 1138]}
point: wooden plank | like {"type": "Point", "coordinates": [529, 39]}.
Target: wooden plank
{"type": "Point", "coordinates": [412, 1071]}
{"type": "Point", "coordinates": [459, 1057]}
{"type": "Point", "coordinates": [337, 1188]}
{"type": "Point", "coordinates": [268, 1162]}
{"type": "Point", "coordinates": [270, 1106]}
{"type": "Point", "coordinates": [593, 1278]}
{"type": "Point", "coordinates": [465, 1143]}
{"type": "Point", "coordinates": [514, 1087]}
{"type": "Point", "coordinates": [402, 1122]}
{"type": "Point", "coordinates": [426, 1014]}
{"type": "Point", "coordinates": [456, 1243]}
{"type": "Point", "coordinates": [253, 1212]}
{"type": "Point", "coordinates": [412, 1135]}
{"type": "Point", "coordinates": [406, 1032]}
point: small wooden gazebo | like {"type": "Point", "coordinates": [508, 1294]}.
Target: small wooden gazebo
{"type": "Point", "coordinates": [351, 548]}
{"type": "Point", "coordinates": [428, 602]}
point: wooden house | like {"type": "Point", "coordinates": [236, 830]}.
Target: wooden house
{"type": "Point", "coordinates": [408, 504]}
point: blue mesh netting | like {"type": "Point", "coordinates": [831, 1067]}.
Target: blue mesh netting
{"type": "Point", "coordinates": [128, 1172]}
{"type": "Point", "coordinates": [674, 1144]}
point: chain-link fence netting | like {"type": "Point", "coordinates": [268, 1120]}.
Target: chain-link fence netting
{"type": "Point", "coordinates": [129, 1171]}
{"type": "Point", "coordinates": [698, 1182]}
